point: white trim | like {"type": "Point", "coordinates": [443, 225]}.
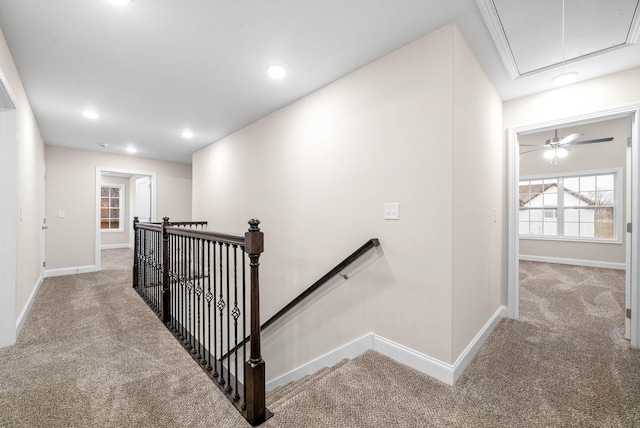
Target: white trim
{"type": "Point", "coordinates": [49, 273]}
{"type": "Point", "coordinates": [10, 214]}
{"type": "Point", "coordinates": [491, 18]}
{"type": "Point", "coordinates": [632, 111]}
{"type": "Point", "coordinates": [350, 350]}
{"type": "Point", "coordinates": [444, 372]}
{"type": "Point", "coordinates": [115, 246]}
{"type": "Point", "coordinates": [27, 307]}
{"type": "Point", "coordinates": [574, 262]}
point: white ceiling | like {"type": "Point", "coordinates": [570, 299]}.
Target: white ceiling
{"type": "Point", "coordinates": [156, 67]}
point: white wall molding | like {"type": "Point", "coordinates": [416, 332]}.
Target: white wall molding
{"type": "Point", "coordinates": [27, 307]}
{"type": "Point", "coordinates": [444, 372]}
{"type": "Point", "coordinates": [116, 246]}
{"type": "Point", "coordinates": [350, 350]}
{"type": "Point", "coordinates": [575, 262]}
{"type": "Point", "coordinates": [49, 273]}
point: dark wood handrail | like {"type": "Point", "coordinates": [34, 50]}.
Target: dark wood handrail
{"type": "Point", "coordinates": [207, 235]}
{"type": "Point", "coordinates": [371, 243]}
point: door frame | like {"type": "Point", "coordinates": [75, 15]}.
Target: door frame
{"type": "Point", "coordinates": [130, 172]}
{"type": "Point", "coordinates": [513, 170]}
{"type": "Point", "coordinates": [9, 215]}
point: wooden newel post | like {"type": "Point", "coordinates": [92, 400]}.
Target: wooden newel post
{"type": "Point", "coordinates": [136, 249]}
{"type": "Point", "coordinates": [255, 366]}
{"type": "Point", "coordinates": [166, 290]}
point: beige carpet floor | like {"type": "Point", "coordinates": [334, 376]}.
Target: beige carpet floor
{"type": "Point", "coordinates": [92, 354]}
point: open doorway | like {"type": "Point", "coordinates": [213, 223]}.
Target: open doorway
{"type": "Point", "coordinates": [121, 195]}
{"type": "Point", "coordinates": [627, 241]}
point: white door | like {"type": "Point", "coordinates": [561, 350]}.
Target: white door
{"type": "Point", "coordinates": [143, 199]}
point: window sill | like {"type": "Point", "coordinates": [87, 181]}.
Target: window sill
{"type": "Point", "coordinates": [571, 239]}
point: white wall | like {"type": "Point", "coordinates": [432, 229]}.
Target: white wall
{"type": "Point", "coordinates": [478, 171]}
{"type": "Point", "coordinates": [317, 174]}
{"type": "Point", "coordinates": [71, 186]}
{"type": "Point", "coordinates": [22, 173]}
{"type": "Point", "coordinates": [588, 157]}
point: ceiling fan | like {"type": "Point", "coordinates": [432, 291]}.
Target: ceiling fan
{"type": "Point", "coordinates": [556, 147]}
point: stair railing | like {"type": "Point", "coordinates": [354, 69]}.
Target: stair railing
{"type": "Point", "coordinates": [196, 282]}
{"type": "Point", "coordinates": [337, 270]}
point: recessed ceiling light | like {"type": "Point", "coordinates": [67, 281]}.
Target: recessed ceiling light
{"type": "Point", "coordinates": [90, 114]}
{"type": "Point", "coordinates": [131, 149]}
{"type": "Point", "coordinates": [103, 145]}
{"type": "Point", "coordinates": [187, 133]}
{"type": "Point", "coordinates": [276, 71]}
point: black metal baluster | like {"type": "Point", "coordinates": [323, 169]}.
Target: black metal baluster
{"type": "Point", "coordinates": [229, 388]}
{"type": "Point", "coordinates": [189, 292]}
{"type": "Point", "coordinates": [198, 336]}
{"type": "Point", "coordinates": [183, 274]}
{"type": "Point", "coordinates": [221, 306]}
{"type": "Point", "coordinates": [208, 296]}
{"type": "Point", "coordinates": [215, 318]}
{"type": "Point", "coordinates": [235, 313]}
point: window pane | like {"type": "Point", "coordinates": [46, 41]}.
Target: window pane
{"type": "Point", "coordinates": [524, 215]}
{"type": "Point", "coordinates": [572, 184]}
{"type": "Point", "coordinates": [587, 230]}
{"type": "Point", "coordinates": [115, 203]}
{"type": "Point", "coordinates": [104, 202]}
{"type": "Point", "coordinates": [550, 199]}
{"type": "Point", "coordinates": [535, 228]}
{"type": "Point", "coordinates": [104, 224]}
{"type": "Point", "coordinates": [604, 182]}
{"type": "Point", "coordinates": [550, 215]}
{"type": "Point", "coordinates": [523, 228]}
{"type": "Point", "coordinates": [536, 215]}
{"type": "Point", "coordinates": [571, 229]}
{"type": "Point", "coordinates": [115, 214]}
{"type": "Point", "coordinates": [587, 215]}
{"type": "Point", "coordinates": [104, 213]}
{"type": "Point", "coordinates": [588, 183]}
{"type": "Point", "coordinates": [115, 192]}
{"type": "Point", "coordinates": [551, 229]}
{"type": "Point", "coordinates": [104, 191]}
{"type": "Point", "coordinates": [571, 215]}
{"type": "Point", "coordinates": [604, 198]}
{"type": "Point", "coordinates": [587, 199]}
{"type": "Point", "coordinates": [115, 224]}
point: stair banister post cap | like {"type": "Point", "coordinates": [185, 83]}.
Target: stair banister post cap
{"type": "Point", "coordinates": [253, 225]}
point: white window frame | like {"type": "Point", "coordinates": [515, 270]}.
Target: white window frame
{"type": "Point", "coordinates": [121, 208]}
{"type": "Point", "coordinates": [618, 207]}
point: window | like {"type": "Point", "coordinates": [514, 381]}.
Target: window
{"type": "Point", "coordinates": [111, 207]}
{"type": "Point", "coordinates": [571, 207]}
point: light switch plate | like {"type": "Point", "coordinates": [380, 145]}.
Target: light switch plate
{"type": "Point", "coordinates": [392, 211]}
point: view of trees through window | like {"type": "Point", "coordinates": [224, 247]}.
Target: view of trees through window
{"type": "Point", "coordinates": [110, 207]}
{"type": "Point", "coordinates": [574, 206]}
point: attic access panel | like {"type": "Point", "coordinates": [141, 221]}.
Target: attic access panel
{"type": "Point", "coordinates": [528, 34]}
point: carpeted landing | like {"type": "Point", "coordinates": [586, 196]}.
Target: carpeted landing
{"type": "Point", "coordinates": [93, 355]}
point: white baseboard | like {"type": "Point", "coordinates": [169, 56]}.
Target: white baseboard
{"type": "Point", "coordinates": [27, 307]}
{"type": "Point", "coordinates": [116, 246]}
{"type": "Point", "coordinates": [575, 262]}
{"type": "Point", "coordinates": [350, 350]}
{"type": "Point", "coordinates": [48, 273]}
{"type": "Point", "coordinates": [447, 373]}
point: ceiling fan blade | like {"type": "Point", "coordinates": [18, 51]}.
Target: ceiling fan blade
{"type": "Point", "coordinates": [530, 151]}
{"type": "Point", "coordinates": [569, 138]}
{"type": "Point", "coordinates": [533, 145]}
{"type": "Point", "coordinates": [599, 140]}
